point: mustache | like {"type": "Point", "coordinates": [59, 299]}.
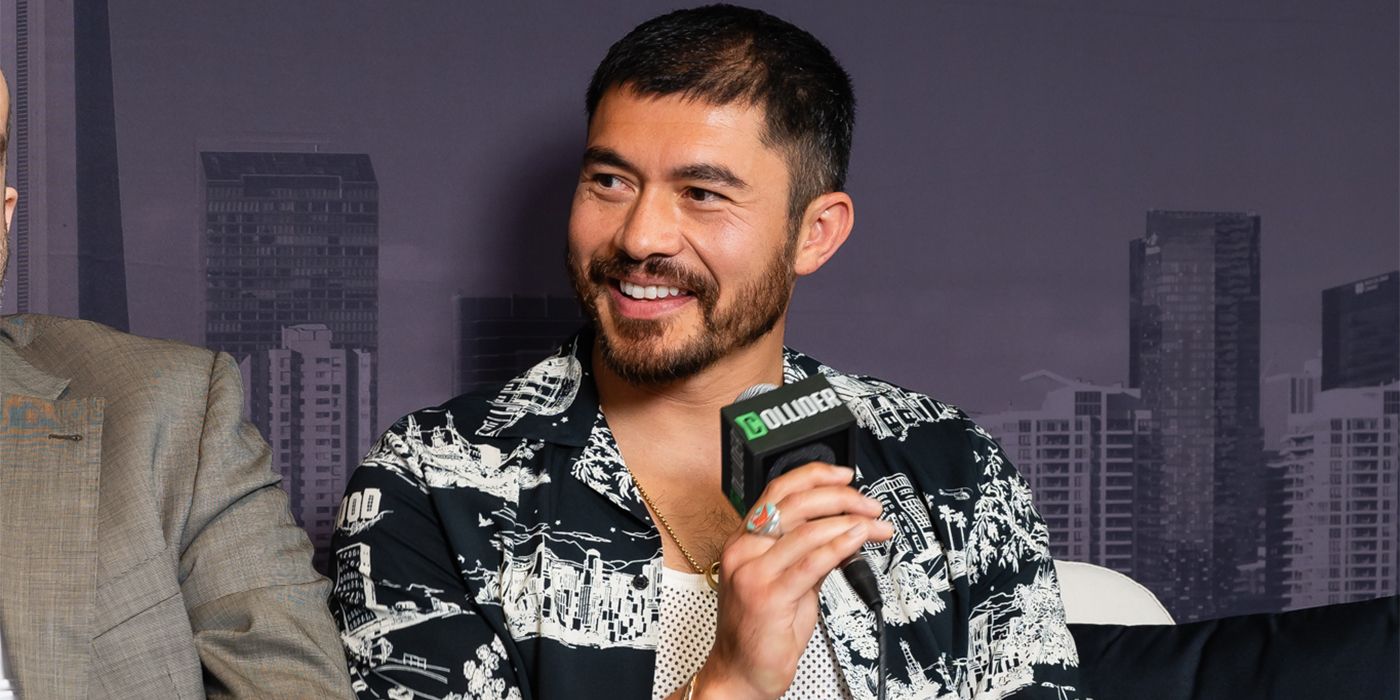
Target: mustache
{"type": "Point", "coordinates": [603, 269]}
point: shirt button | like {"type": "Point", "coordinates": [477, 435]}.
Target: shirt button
{"type": "Point", "coordinates": [639, 582]}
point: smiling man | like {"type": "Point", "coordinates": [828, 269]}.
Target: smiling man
{"type": "Point", "coordinates": [566, 536]}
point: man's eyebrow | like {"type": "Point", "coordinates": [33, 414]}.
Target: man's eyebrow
{"type": "Point", "coordinates": [710, 172]}
{"type": "Point", "coordinates": [703, 172]}
{"type": "Point", "coordinates": [607, 156]}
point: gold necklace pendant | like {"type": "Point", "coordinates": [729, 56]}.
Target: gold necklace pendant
{"type": "Point", "coordinates": [712, 576]}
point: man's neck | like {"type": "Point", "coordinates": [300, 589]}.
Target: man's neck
{"type": "Point", "coordinates": [680, 407]}
{"type": "Point", "coordinates": [669, 437]}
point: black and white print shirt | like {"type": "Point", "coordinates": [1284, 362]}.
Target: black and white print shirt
{"type": "Point", "coordinates": [495, 547]}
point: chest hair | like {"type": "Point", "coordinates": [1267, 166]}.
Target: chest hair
{"type": "Point", "coordinates": [689, 498]}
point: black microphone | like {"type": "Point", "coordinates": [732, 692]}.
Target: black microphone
{"type": "Point", "coordinates": [769, 430]}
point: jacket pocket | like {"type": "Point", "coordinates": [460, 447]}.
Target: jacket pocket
{"type": "Point", "coordinates": [136, 590]}
{"type": "Point", "coordinates": [148, 655]}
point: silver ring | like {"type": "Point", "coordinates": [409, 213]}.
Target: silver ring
{"type": "Point", "coordinates": [764, 520]}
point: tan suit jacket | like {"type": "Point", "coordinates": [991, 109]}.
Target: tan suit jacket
{"type": "Point", "coordinates": [146, 550]}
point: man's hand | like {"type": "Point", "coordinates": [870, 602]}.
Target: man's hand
{"type": "Point", "coordinates": [768, 585]}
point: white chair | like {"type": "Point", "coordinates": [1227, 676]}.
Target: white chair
{"type": "Point", "coordinates": [1100, 596]}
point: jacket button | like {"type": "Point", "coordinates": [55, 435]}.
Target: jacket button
{"type": "Point", "coordinates": [639, 582]}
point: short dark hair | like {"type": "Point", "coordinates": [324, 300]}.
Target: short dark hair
{"type": "Point", "coordinates": [722, 54]}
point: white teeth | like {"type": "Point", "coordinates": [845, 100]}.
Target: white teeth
{"type": "Point", "coordinates": [637, 291]}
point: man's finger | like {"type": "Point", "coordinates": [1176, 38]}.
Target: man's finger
{"type": "Point", "coordinates": [822, 502]}
{"type": "Point", "coordinates": [808, 476]}
{"type": "Point", "coordinates": [800, 559]}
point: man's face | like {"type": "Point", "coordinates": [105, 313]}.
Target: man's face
{"type": "Point", "coordinates": [11, 197]}
{"type": "Point", "coordinates": [680, 245]}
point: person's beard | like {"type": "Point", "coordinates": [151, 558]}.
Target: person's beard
{"type": "Point", "coordinates": [630, 346]}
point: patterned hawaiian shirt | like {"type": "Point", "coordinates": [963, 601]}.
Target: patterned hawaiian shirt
{"type": "Point", "coordinates": [495, 547]}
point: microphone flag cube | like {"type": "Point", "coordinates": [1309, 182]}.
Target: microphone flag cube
{"type": "Point", "coordinates": [787, 427]}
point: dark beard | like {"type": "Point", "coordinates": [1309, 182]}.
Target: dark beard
{"type": "Point", "coordinates": [753, 313]}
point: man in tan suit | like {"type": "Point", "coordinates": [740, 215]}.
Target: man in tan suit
{"type": "Point", "coordinates": [146, 550]}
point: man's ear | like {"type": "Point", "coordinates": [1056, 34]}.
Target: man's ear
{"type": "Point", "coordinates": [11, 199]}
{"type": "Point", "coordinates": [825, 225]}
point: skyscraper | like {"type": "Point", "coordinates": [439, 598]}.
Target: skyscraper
{"type": "Point", "coordinates": [317, 410]}
{"type": "Point", "coordinates": [290, 239]}
{"type": "Point", "coordinates": [1088, 453]}
{"type": "Point", "coordinates": [1335, 511]}
{"type": "Point", "coordinates": [101, 245]}
{"type": "Point", "coordinates": [1194, 353]}
{"type": "Point", "coordinates": [1361, 333]}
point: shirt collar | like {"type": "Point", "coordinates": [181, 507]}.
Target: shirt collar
{"type": "Point", "coordinates": [557, 399]}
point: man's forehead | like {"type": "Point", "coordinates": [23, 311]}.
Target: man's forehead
{"type": "Point", "coordinates": [627, 104]}
{"type": "Point", "coordinates": [628, 94]}
{"type": "Point", "coordinates": [676, 127]}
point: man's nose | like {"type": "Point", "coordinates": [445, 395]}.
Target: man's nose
{"type": "Point", "coordinates": [652, 228]}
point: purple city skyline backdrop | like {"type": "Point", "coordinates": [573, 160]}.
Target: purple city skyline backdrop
{"type": "Point", "coordinates": [1005, 155]}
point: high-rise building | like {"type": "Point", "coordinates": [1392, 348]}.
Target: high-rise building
{"type": "Point", "coordinates": [68, 250]}
{"type": "Point", "coordinates": [498, 337]}
{"type": "Point", "coordinates": [290, 239]}
{"type": "Point", "coordinates": [317, 411]}
{"type": "Point", "coordinates": [1194, 354]}
{"type": "Point", "coordinates": [1361, 333]}
{"type": "Point", "coordinates": [1334, 509]}
{"type": "Point", "coordinates": [1089, 454]}
{"type": "Point", "coordinates": [1282, 395]}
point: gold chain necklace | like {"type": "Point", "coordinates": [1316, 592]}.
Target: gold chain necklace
{"type": "Point", "coordinates": [712, 572]}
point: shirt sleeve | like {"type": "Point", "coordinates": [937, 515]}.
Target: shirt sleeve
{"type": "Point", "coordinates": [1020, 645]}
{"type": "Point", "coordinates": [407, 620]}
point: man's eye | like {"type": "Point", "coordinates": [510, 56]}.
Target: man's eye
{"type": "Point", "coordinates": [698, 195]}
{"type": "Point", "coordinates": [607, 181]}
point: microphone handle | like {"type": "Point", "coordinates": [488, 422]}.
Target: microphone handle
{"type": "Point", "coordinates": [862, 580]}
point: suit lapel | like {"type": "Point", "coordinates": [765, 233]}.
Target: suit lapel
{"type": "Point", "coordinates": [17, 376]}
{"type": "Point", "coordinates": [50, 462]}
